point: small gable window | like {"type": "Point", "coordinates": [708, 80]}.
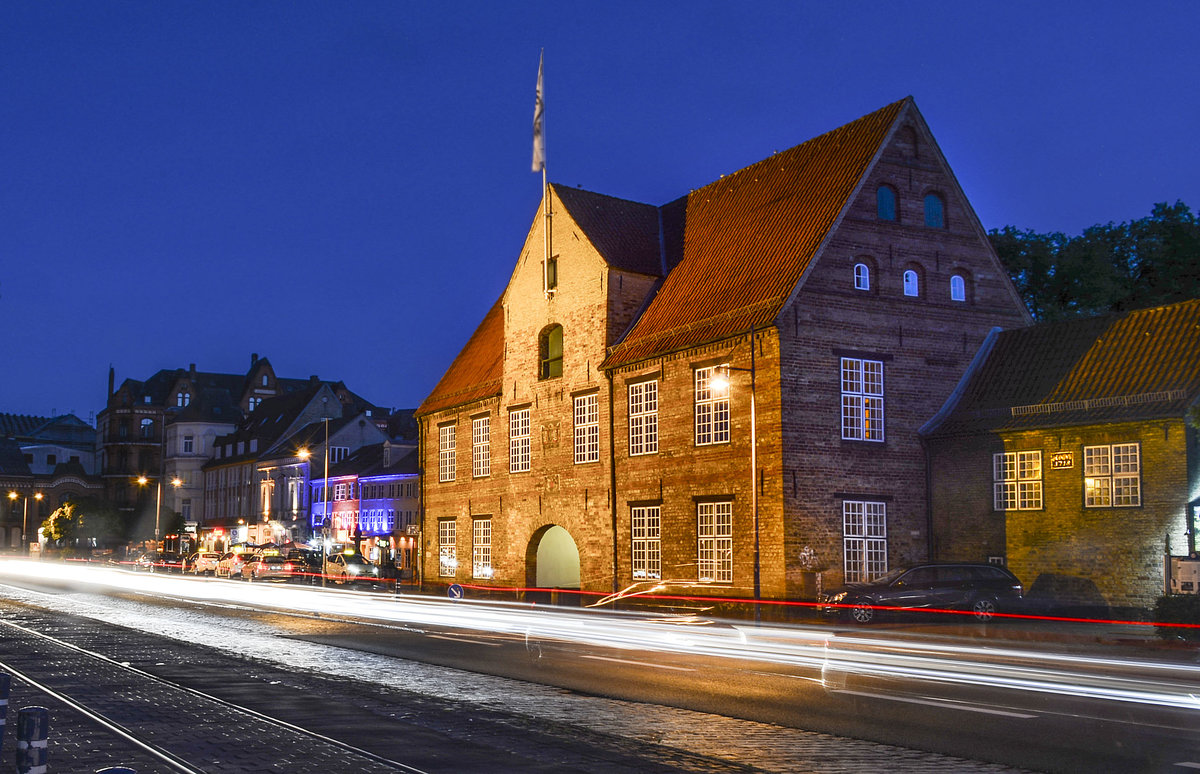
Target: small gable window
{"type": "Point", "coordinates": [264, 380]}
{"type": "Point", "coordinates": [885, 202]}
{"type": "Point", "coordinates": [862, 276]}
{"type": "Point", "coordinates": [958, 288]}
{"type": "Point", "coordinates": [550, 353]}
{"type": "Point", "coordinates": [935, 211]}
{"type": "Point", "coordinates": [912, 283]}
{"type": "Point", "coordinates": [183, 398]}
{"type": "Point", "coordinates": [551, 275]}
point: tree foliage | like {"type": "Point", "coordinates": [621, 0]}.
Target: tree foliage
{"type": "Point", "coordinates": [83, 524]}
{"type": "Point", "coordinates": [1112, 267]}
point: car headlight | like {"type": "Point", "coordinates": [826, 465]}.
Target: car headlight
{"type": "Point", "coordinates": [836, 598]}
{"type": "Point", "coordinates": [352, 570]}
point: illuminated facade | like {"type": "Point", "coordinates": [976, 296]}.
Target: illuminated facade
{"type": "Point", "coordinates": [599, 432]}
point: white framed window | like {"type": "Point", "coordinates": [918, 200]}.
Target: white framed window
{"type": "Point", "coordinates": [339, 492]}
{"type": "Point", "coordinates": [912, 283]}
{"type": "Point", "coordinates": [647, 547]}
{"type": "Point", "coordinates": [862, 276]}
{"type": "Point", "coordinates": [519, 455]}
{"type": "Point", "coordinates": [481, 447]}
{"type": "Point", "coordinates": [864, 540]}
{"type": "Point", "coordinates": [185, 508]}
{"type": "Point", "coordinates": [338, 453]}
{"type": "Point", "coordinates": [1017, 481]}
{"type": "Point", "coordinates": [958, 288]}
{"type": "Point", "coordinates": [481, 548]}
{"type": "Point", "coordinates": [446, 456]}
{"type": "Point", "coordinates": [189, 444]}
{"type": "Point", "coordinates": [643, 418]}
{"type": "Point", "coordinates": [714, 530]}
{"type": "Point", "coordinates": [253, 403]}
{"type": "Point", "coordinates": [447, 548]}
{"type": "Point", "coordinates": [587, 428]}
{"type": "Point", "coordinates": [712, 409]}
{"type": "Point", "coordinates": [183, 398]}
{"type": "Point", "coordinates": [862, 399]}
{"type": "Point", "coordinates": [1112, 476]}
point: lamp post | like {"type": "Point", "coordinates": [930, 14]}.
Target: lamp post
{"type": "Point", "coordinates": [724, 386]}
{"type": "Point", "coordinates": [25, 520]}
{"type": "Point", "coordinates": [175, 482]}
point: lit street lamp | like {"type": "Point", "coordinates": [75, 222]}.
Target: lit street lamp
{"type": "Point", "coordinates": [25, 521]}
{"type": "Point", "coordinates": [721, 385]}
{"type": "Point", "coordinates": [175, 482]}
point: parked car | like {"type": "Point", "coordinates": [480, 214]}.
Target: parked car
{"type": "Point", "coordinates": [230, 565]}
{"type": "Point", "coordinates": [149, 561]}
{"type": "Point", "coordinates": [169, 561]}
{"type": "Point", "coordinates": [202, 563]}
{"type": "Point", "coordinates": [306, 564]}
{"type": "Point", "coordinates": [351, 568]}
{"type": "Point", "coordinates": [268, 567]}
{"type": "Point", "coordinates": [982, 589]}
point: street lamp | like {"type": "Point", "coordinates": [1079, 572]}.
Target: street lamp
{"type": "Point", "coordinates": [25, 521]}
{"type": "Point", "coordinates": [175, 482]}
{"type": "Point", "coordinates": [720, 385]}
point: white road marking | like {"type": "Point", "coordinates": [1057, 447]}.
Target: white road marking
{"type": "Point", "coordinates": [1188, 765]}
{"type": "Point", "coordinates": [933, 703]}
{"type": "Point", "coordinates": [640, 663]}
{"type": "Point", "coordinates": [462, 639]}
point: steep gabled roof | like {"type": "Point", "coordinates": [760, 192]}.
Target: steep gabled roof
{"type": "Point", "coordinates": [477, 371]}
{"type": "Point", "coordinates": [748, 237]}
{"type": "Point", "coordinates": [625, 233]}
{"type": "Point", "coordinates": [1143, 364]}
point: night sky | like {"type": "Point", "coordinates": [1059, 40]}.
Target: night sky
{"type": "Point", "coordinates": [343, 187]}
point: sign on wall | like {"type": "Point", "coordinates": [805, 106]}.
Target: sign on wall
{"type": "Point", "coordinates": [1063, 460]}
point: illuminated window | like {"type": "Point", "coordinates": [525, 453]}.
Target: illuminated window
{"type": "Point", "coordinates": [183, 399]}
{"type": "Point", "coordinates": [714, 529]}
{"type": "Point", "coordinates": [712, 409]}
{"type": "Point", "coordinates": [643, 418]}
{"type": "Point", "coordinates": [587, 428]}
{"type": "Point", "coordinates": [862, 276]}
{"type": "Point", "coordinates": [519, 455]}
{"type": "Point", "coordinates": [446, 461]}
{"type": "Point", "coordinates": [647, 550]}
{"type": "Point", "coordinates": [481, 549]}
{"type": "Point", "coordinates": [864, 540]}
{"type": "Point", "coordinates": [147, 428]}
{"type": "Point", "coordinates": [447, 548]}
{"type": "Point", "coordinates": [912, 283]}
{"type": "Point", "coordinates": [481, 447]}
{"type": "Point", "coordinates": [935, 211]}
{"type": "Point", "coordinates": [550, 353]}
{"type": "Point", "coordinates": [885, 202]}
{"type": "Point", "coordinates": [1112, 476]}
{"type": "Point", "coordinates": [958, 288]}
{"type": "Point", "coordinates": [862, 400]}
{"type": "Point", "coordinates": [253, 403]}
{"type": "Point", "coordinates": [1017, 481]}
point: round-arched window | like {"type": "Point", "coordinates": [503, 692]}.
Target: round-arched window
{"type": "Point", "coordinates": [958, 288]}
{"type": "Point", "coordinates": [912, 283]}
{"type": "Point", "coordinates": [885, 202]}
{"type": "Point", "coordinates": [862, 276]}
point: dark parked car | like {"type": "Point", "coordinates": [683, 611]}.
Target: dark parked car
{"type": "Point", "coordinates": [306, 564]}
{"type": "Point", "coordinates": [982, 589]}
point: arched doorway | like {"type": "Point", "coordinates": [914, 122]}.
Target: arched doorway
{"type": "Point", "coordinates": [552, 559]}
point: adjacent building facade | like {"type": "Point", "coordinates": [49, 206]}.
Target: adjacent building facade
{"type": "Point", "coordinates": [724, 390]}
{"type": "Point", "coordinates": [1067, 450]}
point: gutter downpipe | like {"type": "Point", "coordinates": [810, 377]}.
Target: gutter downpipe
{"type": "Point", "coordinates": [612, 475]}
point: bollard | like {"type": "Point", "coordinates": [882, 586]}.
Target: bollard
{"type": "Point", "coordinates": [33, 728]}
{"type": "Point", "coordinates": [5, 685]}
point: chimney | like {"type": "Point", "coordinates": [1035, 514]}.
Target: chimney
{"type": "Point", "coordinates": [387, 453]}
{"type": "Point", "coordinates": [192, 371]}
{"type": "Point", "coordinates": [112, 375]}
{"type": "Point", "coordinates": [253, 359]}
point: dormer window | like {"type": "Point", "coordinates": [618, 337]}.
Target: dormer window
{"type": "Point", "coordinates": [550, 353]}
{"type": "Point", "coordinates": [862, 276]}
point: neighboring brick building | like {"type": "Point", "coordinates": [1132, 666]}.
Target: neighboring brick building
{"type": "Point", "coordinates": [585, 438]}
{"type": "Point", "coordinates": [1066, 450]}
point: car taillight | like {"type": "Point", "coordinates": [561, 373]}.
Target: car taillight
{"type": "Point", "coordinates": [288, 566]}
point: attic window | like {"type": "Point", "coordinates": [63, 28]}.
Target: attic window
{"type": "Point", "coordinates": [550, 353]}
{"type": "Point", "coordinates": [264, 381]}
{"type": "Point", "coordinates": [862, 276]}
{"type": "Point", "coordinates": [183, 398]}
{"type": "Point", "coordinates": [885, 202]}
{"type": "Point", "coordinates": [551, 278]}
{"type": "Point", "coordinates": [147, 399]}
{"type": "Point", "coordinates": [935, 211]}
{"type": "Point", "coordinates": [958, 288]}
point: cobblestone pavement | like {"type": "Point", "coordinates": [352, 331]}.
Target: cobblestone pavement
{"type": "Point", "coordinates": [525, 728]}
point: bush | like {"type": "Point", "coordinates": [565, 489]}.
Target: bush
{"type": "Point", "coordinates": [1178, 609]}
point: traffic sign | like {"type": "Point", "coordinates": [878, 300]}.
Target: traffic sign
{"type": "Point", "coordinates": [455, 591]}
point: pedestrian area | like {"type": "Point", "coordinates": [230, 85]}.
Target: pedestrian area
{"type": "Point", "coordinates": [522, 727]}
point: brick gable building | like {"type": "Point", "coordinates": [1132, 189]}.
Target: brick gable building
{"type": "Point", "coordinates": [1067, 451]}
{"type": "Point", "coordinates": [598, 428]}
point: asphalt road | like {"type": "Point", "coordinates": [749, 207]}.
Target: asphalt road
{"type": "Point", "coordinates": [912, 707]}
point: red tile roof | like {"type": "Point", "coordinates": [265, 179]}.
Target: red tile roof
{"type": "Point", "coordinates": [477, 371]}
{"type": "Point", "coordinates": [1135, 365]}
{"type": "Point", "coordinates": [749, 236]}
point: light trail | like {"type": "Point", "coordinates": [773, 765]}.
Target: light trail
{"type": "Point", "coordinates": [834, 656]}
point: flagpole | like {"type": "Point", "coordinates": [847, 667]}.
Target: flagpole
{"type": "Point", "coordinates": [539, 162]}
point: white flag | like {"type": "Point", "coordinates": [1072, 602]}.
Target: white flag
{"type": "Point", "coordinates": [539, 126]}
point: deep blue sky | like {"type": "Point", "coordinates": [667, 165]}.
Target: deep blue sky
{"type": "Point", "coordinates": [343, 187]}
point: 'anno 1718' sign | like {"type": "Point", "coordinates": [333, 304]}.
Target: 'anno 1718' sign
{"type": "Point", "coordinates": [1062, 460]}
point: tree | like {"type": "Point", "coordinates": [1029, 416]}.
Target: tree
{"type": "Point", "coordinates": [84, 524]}
{"type": "Point", "coordinates": [1111, 267]}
